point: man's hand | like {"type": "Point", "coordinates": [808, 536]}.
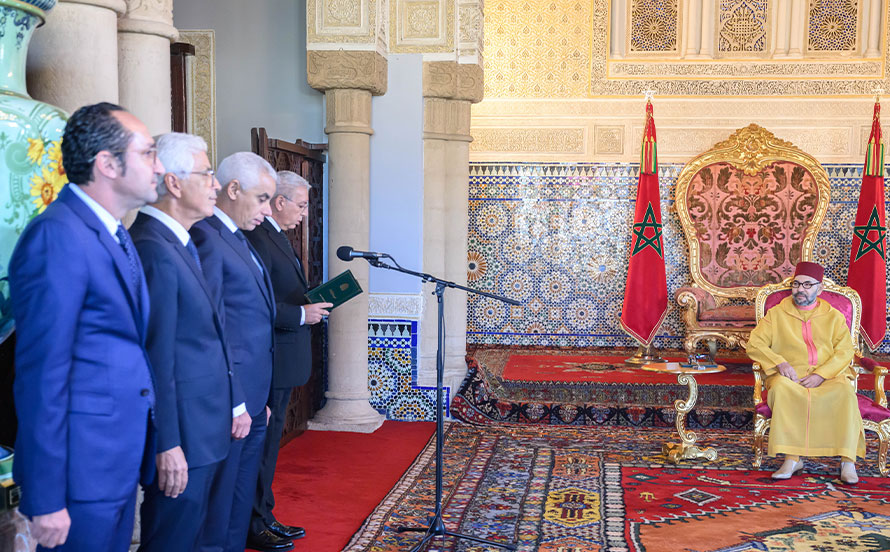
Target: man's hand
{"type": "Point", "coordinates": [315, 312]}
{"type": "Point", "coordinates": [173, 472]}
{"type": "Point", "coordinates": [51, 530]}
{"type": "Point", "coordinates": [811, 381]}
{"type": "Point", "coordinates": [268, 414]}
{"type": "Point", "coordinates": [241, 426]}
{"type": "Point", "coordinates": [787, 370]}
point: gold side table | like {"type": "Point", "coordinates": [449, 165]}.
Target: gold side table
{"type": "Point", "coordinates": [685, 450]}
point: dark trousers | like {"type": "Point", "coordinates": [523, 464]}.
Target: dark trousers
{"type": "Point", "coordinates": [264, 501]}
{"type": "Point", "coordinates": [173, 524]}
{"type": "Point", "coordinates": [232, 492]}
{"type": "Point", "coordinates": [99, 526]}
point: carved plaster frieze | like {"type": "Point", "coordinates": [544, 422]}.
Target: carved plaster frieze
{"type": "Point", "coordinates": [358, 24]}
{"type": "Point", "coordinates": [608, 140]}
{"type": "Point", "coordinates": [450, 80]}
{"type": "Point", "coordinates": [363, 70]}
{"type": "Point", "coordinates": [559, 140]}
{"type": "Point", "coordinates": [395, 305]}
{"type": "Point", "coordinates": [201, 98]}
{"type": "Point", "coordinates": [422, 26]}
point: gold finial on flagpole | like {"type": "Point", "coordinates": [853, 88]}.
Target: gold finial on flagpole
{"type": "Point", "coordinates": [878, 92]}
{"type": "Point", "coordinates": [649, 94]}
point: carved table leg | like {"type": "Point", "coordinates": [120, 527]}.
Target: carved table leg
{"type": "Point", "coordinates": [686, 450]}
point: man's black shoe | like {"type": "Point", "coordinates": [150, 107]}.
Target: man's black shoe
{"type": "Point", "coordinates": [287, 531]}
{"type": "Point", "coordinates": [267, 541]}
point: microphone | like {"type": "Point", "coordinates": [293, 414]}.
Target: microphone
{"type": "Point", "coordinates": [346, 253]}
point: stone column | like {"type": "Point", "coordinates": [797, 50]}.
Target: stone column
{"type": "Point", "coordinates": [449, 89]}
{"type": "Point", "coordinates": [72, 60]}
{"type": "Point", "coordinates": [144, 36]}
{"type": "Point", "coordinates": [348, 78]}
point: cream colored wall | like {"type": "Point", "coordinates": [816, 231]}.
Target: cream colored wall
{"type": "Point", "coordinates": [564, 81]}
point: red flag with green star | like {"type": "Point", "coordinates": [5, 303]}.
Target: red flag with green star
{"type": "Point", "coordinates": [868, 255]}
{"type": "Point", "coordinates": [645, 294]}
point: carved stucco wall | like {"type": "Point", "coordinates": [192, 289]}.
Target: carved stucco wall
{"type": "Point", "coordinates": [564, 78]}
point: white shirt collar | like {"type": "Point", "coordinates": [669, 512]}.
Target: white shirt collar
{"type": "Point", "coordinates": [168, 221]}
{"type": "Point", "coordinates": [106, 218]}
{"type": "Point", "coordinates": [274, 223]}
{"type": "Point", "coordinates": [226, 219]}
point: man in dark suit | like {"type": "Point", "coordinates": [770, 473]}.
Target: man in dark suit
{"type": "Point", "coordinates": [293, 352]}
{"type": "Point", "coordinates": [83, 387]}
{"type": "Point", "coordinates": [196, 394]}
{"type": "Point", "coordinates": [238, 277]}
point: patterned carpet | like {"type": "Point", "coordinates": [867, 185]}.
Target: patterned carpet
{"type": "Point", "coordinates": [590, 489]}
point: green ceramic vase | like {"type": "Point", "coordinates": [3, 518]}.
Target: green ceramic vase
{"type": "Point", "coordinates": [31, 173]}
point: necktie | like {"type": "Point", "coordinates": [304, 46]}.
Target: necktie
{"type": "Point", "coordinates": [194, 251]}
{"type": "Point", "coordinates": [243, 239]}
{"type": "Point", "coordinates": [130, 251]}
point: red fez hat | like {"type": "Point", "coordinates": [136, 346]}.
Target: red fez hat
{"type": "Point", "coordinates": [813, 270]}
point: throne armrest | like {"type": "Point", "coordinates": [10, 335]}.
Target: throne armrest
{"type": "Point", "coordinates": [879, 372]}
{"type": "Point", "coordinates": [694, 300]}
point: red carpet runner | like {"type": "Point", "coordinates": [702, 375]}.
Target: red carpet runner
{"type": "Point", "coordinates": [330, 481]}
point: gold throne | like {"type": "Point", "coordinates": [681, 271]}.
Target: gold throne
{"type": "Point", "coordinates": [750, 208]}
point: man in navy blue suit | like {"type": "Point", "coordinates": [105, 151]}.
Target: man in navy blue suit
{"type": "Point", "coordinates": [83, 387]}
{"type": "Point", "coordinates": [293, 347]}
{"type": "Point", "coordinates": [198, 398]}
{"type": "Point", "coordinates": [236, 274]}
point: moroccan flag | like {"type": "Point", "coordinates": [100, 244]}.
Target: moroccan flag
{"type": "Point", "coordinates": [645, 294]}
{"type": "Point", "coordinates": [868, 254]}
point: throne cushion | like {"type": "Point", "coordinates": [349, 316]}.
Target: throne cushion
{"type": "Point", "coordinates": [868, 409]}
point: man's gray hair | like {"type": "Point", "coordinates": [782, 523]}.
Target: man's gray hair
{"type": "Point", "coordinates": [245, 167]}
{"type": "Point", "coordinates": [177, 150]}
{"type": "Point", "coordinates": [288, 182]}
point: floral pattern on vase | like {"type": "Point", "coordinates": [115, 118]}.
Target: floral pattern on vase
{"type": "Point", "coordinates": [31, 172]}
{"type": "Point", "coordinates": [750, 228]}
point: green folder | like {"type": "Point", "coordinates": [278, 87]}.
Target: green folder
{"type": "Point", "coordinates": [337, 290]}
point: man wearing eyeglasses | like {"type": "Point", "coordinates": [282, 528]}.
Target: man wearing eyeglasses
{"type": "Point", "coordinates": [805, 349]}
{"type": "Point", "coordinates": [83, 389]}
{"type": "Point", "coordinates": [293, 350]}
{"type": "Point", "coordinates": [200, 405]}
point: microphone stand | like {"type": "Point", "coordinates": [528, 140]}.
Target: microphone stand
{"type": "Point", "coordinates": [436, 527]}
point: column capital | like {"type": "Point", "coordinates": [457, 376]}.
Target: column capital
{"type": "Point", "coordinates": [453, 81]}
{"type": "Point", "coordinates": [150, 17]}
{"type": "Point", "coordinates": [348, 110]}
{"type": "Point", "coordinates": [351, 69]}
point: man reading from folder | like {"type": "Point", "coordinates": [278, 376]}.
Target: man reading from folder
{"type": "Point", "coordinates": [293, 350]}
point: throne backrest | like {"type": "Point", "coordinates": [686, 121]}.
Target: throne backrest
{"type": "Point", "coordinates": [842, 298]}
{"type": "Point", "coordinates": [750, 208]}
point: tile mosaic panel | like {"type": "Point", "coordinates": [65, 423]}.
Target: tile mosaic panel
{"type": "Point", "coordinates": [392, 372]}
{"type": "Point", "coordinates": [555, 236]}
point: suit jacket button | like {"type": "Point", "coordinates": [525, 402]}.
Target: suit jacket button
{"type": "Point", "coordinates": [144, 392]}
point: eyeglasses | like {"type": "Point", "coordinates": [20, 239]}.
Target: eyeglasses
{"type": "Point", "coordinates": [209, 172]}
{"type": "Point", "coordinates": [805, 285]}
{"type": "Point", "coordinates": [300, 206]}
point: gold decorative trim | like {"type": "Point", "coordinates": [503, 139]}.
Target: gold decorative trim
{"type": "Point", "coordinates": [749, 149]}
{"type": "Point", "coordinates": [201, 95]}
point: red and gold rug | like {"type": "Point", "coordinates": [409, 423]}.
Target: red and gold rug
{"type": "Point", "coordinates": [560, 489]}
